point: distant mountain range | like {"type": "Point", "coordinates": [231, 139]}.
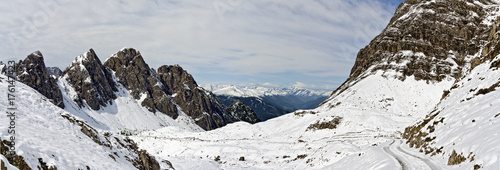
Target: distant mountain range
{"type": "Point", "coordinates": [254, 91]}
{"type": "Point", "coordinates": [266, 102]}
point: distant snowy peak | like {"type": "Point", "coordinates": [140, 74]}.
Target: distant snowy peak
{"type": "Point", "coordinates": [232, 90]}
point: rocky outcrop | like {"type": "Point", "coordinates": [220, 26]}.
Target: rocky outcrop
{"type": "Point", "coordinates": [13, 158]}
{"type": "Point", "coordinates": [32, 72]}
{"type": "Point", "coordinates": [199, 104]}
{"type": "Point", "coordinates": [3, 68]}
{"type": "Point", "coordinates": [142, 81]}
{"type": "Point", "coordinates": [54, 71]}
{"type": "Point", "coordinates": [242, 112]}
{"type": "Point", "coordinates": [148, 161]}
{"type": "Point", "coordinates": [92, 82]}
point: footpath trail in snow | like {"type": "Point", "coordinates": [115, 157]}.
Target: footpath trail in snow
{"type": "Point", "coordinates": [407, 160]}
{"type": "Point", "coordinates": [387, 150]}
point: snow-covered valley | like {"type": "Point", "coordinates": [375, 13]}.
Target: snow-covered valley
{"type": "Point", "coordinates": [371, 115]}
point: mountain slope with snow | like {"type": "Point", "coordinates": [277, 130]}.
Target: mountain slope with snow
{"type": "Point", "coordinates": [465, 122]}
{"type": "Point", "coordinates": [46, 135]}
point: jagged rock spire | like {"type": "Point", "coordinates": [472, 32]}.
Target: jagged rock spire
{"type": "Point", "coordinates": [32, 72]}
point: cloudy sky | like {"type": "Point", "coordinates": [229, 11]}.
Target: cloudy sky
{"type": "Point", "coordinates": [275, 43]}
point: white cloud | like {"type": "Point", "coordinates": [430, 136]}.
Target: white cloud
{"type": "Point", "coordinates": [318, 38]}
{"type": "Point", "coordinates": [269, 85]}
{"type": "Point", "coordinates": [300, 85]}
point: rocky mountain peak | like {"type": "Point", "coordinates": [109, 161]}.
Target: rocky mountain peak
{"type": "Point", "coordinates": [142, 82]}
{"type": "Point", "coordinates": [177, 77]}
{"type": "Point", "coordinates": [92, 81]}
{"type": "Point", "coordinates": [131, 70]}
{"type": "Point", "coordinates": [32, 72]}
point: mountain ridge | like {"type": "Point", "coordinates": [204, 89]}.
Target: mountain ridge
{"type": "Point", "coordinates": [256, 91]}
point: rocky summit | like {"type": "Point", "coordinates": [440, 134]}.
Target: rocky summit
{"type": "Point", "coordinates": [32, 72]}
{"type": "Point", "coordinates": [142, 82]}
{"type": "Point", "coordinates": [91, 80]}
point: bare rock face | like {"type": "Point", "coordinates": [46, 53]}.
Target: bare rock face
{"type": "Point", "coordinates": [242, 112]}
{"type": "Point", "coordinates": [440, 35]}
{"type": "Point", "coordinates": [199, 104]}
{"type": "Point", "coordinates": [32, 72]}
{"type": "Point", "coordinates": [139, 79]}
{"type": "Point", "coordinates": [91, 80]}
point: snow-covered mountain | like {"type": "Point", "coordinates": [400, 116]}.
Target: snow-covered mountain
{"type": "Point", "coordinates": [422, 95]}
{"type": "Point", "coordinates": [104, 101]}
{"type": "Point", "coordinates": [45, 136]}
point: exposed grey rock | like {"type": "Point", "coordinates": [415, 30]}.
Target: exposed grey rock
{"type": "Point", "coordinates": [198, 103]}
{"type": "Point", "coordinates": [32, 72]}
{"type": "Point", "coordinates": [242, 112]}
{"type": "Point", "coordinates": [91, 80]}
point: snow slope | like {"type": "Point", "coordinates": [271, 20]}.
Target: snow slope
{"type": "Point", "coordinates": [41, 131]}
{"type": "Point", "coordinates": [467, 121]}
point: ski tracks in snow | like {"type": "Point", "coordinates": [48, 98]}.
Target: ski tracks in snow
{"type": "Point", "coordinates": [407, 160]}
